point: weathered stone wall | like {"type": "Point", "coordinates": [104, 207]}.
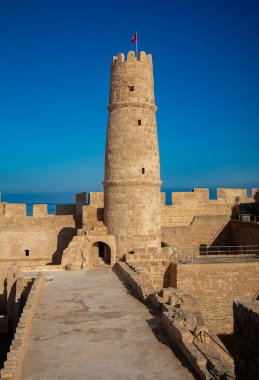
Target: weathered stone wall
{"type": "Point", "coordinates": [44, 237]}
{"type": "Point", "coordinates": [96, 199]}
{"type": "Point", "coordinates": [246, 340]}
{"type": "Point", "coordinates": [11, 209]}
{"type": "Point", "coordinates": [13, 365]}
{"type": "Point", "coordinates": [132, 171]}
{"type": "Point", "coordinates": [40, 210]}
{"type": "Point", "coordinates": [186, 205]}
{"type": "Point", "coordinates": [69, 209]}
{"type": "Point", "coordinates": [244, 233]}
{"type": "Point", "coordinates": [204, 230]}
{"type": "Point", "coordinates": [182, 215]}
{"type": "Point", "coordinates": [216, 286]}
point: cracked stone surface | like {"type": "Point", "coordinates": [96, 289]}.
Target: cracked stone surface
{"type": "Point", "coordinates": [88, 326]}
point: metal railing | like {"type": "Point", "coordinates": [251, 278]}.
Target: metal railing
{"type": "Point", "coordinates": [200, 338]}
{"type": "Point", "coordinates": [229, 250]}
{"type": "Point", "coordinates": [246, 218]}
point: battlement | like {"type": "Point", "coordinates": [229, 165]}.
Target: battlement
{"type": "Point", "coordinates": [131, 57]}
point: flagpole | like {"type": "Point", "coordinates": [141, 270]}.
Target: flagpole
{"type": "Point", "coordinates": [137, 44]}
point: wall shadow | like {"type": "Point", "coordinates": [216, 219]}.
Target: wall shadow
{"type": "Point", "coordinates": [64, 238]}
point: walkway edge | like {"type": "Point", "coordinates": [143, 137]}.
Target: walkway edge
{"type": "Point", "coordinates": [15, 357]}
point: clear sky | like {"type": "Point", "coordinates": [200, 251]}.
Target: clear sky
{"type": "Point", "coordinates": [55, 60]}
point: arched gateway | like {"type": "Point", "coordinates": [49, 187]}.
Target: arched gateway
{"type": "Point", "coordinates": [87, 251]}
{"type": "Point", "coordinates": [100, 254]}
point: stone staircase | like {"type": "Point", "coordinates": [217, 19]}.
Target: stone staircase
{"type": "Point", "coordinates": [150, 265]}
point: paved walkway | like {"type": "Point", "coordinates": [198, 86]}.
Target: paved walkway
{"type": "Point", "coordinates": [89, 327]}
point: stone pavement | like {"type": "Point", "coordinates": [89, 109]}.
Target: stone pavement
{"type": "Point", "coordinates": [88, 326]}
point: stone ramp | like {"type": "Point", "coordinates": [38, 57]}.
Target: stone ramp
{"type": "Point", "coordinates": [88, 326]}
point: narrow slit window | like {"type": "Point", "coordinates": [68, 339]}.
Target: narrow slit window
{"type": "Point", "coordinates": [27, 252]}
{"type": "Point", "coordinates": [131, 88]}
{"type": "Point", "coordinates": [139, 122]}
{"type": "Point", "coordinates": [143, 170]}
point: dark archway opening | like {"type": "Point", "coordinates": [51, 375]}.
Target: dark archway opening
{"type": "Point", "coordinates": [101, 253]}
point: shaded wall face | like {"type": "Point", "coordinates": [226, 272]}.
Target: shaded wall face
{"type": "Point", "coordinates": [215, 287]}
{"type": "Point", "coordinates": [246, 338]}
{"type": "Point", "coordinates": [41, 238]}
{"type": "Point", "coordinates": [244, 233]}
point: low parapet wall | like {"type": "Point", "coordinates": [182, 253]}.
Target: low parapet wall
{"type": "Point", "coordinates": [136, 282]}
{"type": "Point", "coordinates": [15, 357]}
{"type": "Point", "coordinates": [183, 323]}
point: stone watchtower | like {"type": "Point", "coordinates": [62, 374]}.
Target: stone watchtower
{"type": "Point", "coordinates": [132, 170]}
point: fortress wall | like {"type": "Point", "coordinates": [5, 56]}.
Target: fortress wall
{"type": "Point", "coordinates": [229, 195]}
{"type": "Point", "coordinates": [40, 210]}
{"type": "Point", "coordinates": [11, 210]}
{"type": "Point", "coordinates": [185, 199]}
{"type": "Point", "coordinates": [215, 287]}
{"type": "Point", "coordinates": [45, 237]}
{"type": "Point", "coordinates": [202, 194]}
{"type": "Point", "coordinates": [183, 216]}
{"type": "Point", "coordinates": [187, 205]}
{"type": "Point", "coordinates": [162, 198]}
{"type": "Point", "coordinates": [204, 229]}
{"type": "Point", "coordinates": [96, 199]}
{"type": "Point", "coordinates": [255, 194]}
{"type": "Point", "coordinates": [244, 233]}
{"type": "Point", "coordinates": [81, 198]}
{"type": "Point", "coordinates": [1, 209]}
{"type": "Point", "coordinates": [69, 209]}
{"type": "Point", "coordinates": [246, 338]}
{"type": "Point", "coordinates": [91, 214]}
{"type": "Point", "coordinates": [15, 357]}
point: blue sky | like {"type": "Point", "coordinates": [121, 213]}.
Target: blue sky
{"type": "Point", "coordinates": [54, 84]}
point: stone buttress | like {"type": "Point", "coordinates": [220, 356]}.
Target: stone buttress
{"type": "Point", "coordinates": [132, 170]}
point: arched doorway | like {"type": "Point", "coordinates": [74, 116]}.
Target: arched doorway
{"type": "Point", "coordinates": [100, 254]}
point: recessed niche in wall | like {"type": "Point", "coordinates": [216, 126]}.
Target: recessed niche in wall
{"type": "Point", "coordinates": [27, 252]}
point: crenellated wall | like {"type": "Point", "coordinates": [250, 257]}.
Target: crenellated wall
{"type": "Point", "coordinates": [186, 205]}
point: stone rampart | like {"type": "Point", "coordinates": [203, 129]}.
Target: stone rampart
{"type": "Point", "coordinates": [40, 210]}
{"type": "Point", "coordinates": [15, 357]}
{"type": "Point", "coordinates": [203, 230]}
{"type": "Point", "coordinates": [244, 233]}
{"type": "Point", "coordinates": [185, 205]}
{"type": "Point", "coordinates": [215, 286]}
{"type": "Point", "coordinates": [246, 340]}
{"type": "Point", "coordinates": [96, 199]}
{"type": "Point", "coordinates": [69, 209]}
{"type": "Point", "coordinates": [43, 237]}
{"type": "Point", "coordinates": [138, 283]}
{"type": "Point", "coordinates": [14, 210]}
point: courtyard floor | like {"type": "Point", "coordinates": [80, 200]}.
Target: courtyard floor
{"type": "Point", "coordinates": [88, 326]}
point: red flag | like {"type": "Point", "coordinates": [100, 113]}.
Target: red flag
{"type": "Point", "coordinates": [134, 38]}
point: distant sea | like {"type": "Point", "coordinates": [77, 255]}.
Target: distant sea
{"type": "Point", "coordinates": [52, 199]}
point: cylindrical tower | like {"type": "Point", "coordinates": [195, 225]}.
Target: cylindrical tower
{"type": "Point", "coordinates": [132, 170]}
